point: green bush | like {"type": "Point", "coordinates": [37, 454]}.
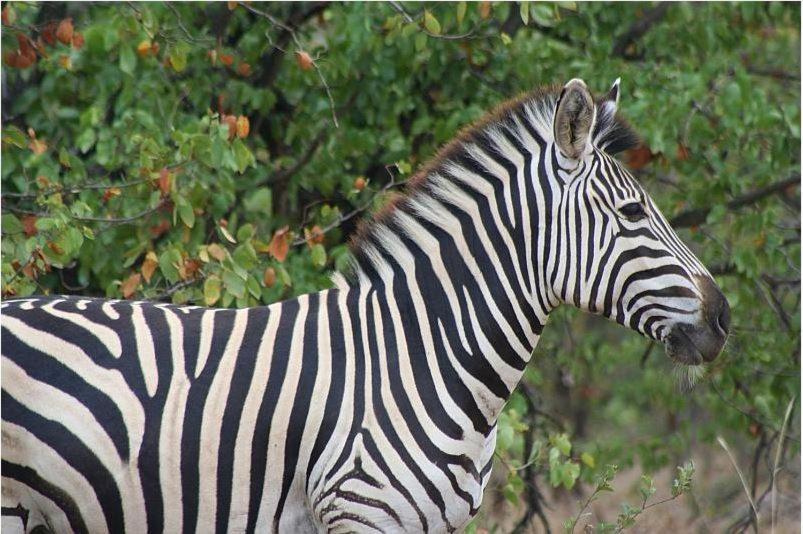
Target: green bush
{"type": "Point", "coordinates": [222, 154]}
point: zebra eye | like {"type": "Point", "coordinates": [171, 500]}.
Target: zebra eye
{"type": "Point", "coordinates": [633, 211]}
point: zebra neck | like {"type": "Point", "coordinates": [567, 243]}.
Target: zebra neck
{"type": "Point", "coordinates": [458, 313]}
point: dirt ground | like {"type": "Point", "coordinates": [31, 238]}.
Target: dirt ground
{"type": "Point", "coordinates": [716, 503]}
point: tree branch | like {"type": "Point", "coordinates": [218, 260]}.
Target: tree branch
{"type": "Point", "coordinates": [696, 216]}
{"type": "Point", "coordinates": [639, 28]}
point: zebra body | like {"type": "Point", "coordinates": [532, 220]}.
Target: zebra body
{"type": "Point", "coordinates": [368, 407]}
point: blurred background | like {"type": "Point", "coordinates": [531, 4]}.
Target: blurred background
{"type": "Point", "coordinates": [222, 154]}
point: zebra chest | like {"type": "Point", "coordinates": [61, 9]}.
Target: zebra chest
{"type": "Point", "coordinates": [402, 490]}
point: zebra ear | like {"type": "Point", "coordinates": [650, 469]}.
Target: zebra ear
{"type": "Point", "coordinates": [574, 119]}
{"type": "Point", "coordinates": [611, 101]}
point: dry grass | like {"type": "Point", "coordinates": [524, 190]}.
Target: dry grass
{"type": "Point", "coordinates": [715, 504]}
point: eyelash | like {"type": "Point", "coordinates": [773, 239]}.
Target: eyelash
{"type": "Point", "coordinates": [633, 211]}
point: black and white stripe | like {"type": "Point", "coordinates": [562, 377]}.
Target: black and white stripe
{"type": "Point", "coordinates": [368, 407]}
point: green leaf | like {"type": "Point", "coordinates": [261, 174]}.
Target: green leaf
{"type": "Point", "coordinates": [524, 12]}
{"type": "Point", "coordinates": [10, 224]}
{"type": "Point", "coordinates": [185, 211]}
{"type": "Point", "coordinates": [178, 57]}
{"type": "Point", "coordinates": [234, 284]}
{"type": "Point", "coordinates": [128, 59]}
{"type": "Point", "coordinates": [420, 41]}
{"type": "Point", "coordinates": [14, 136]}
{"type": "Point", "coordinates": [431, 23]}
{"type": "Point", "coordinates": [168, 264]}
{"type": "Point", "coordinates": [461, 12]}
{"type": "Point", "coordinates": [561, 441]}
{"type": "Point", "coordinates": [506, 40]}
{"type": "Point", "coordinates": [212, 287]}
{"type": "Point", "coordinates": [587, 459]}
{"type": "Point", "coordinates": [242, 156]}
{"type": "Point", "coordinates": [259, 201]}
{"type": "Point", "coordinates": [318, 255]}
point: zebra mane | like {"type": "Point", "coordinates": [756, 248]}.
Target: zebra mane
{"type": "Point", "coordinates": [612, 133]}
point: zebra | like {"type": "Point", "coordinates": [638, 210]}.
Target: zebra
{"type": "Point", "coordinates": [370, 406]}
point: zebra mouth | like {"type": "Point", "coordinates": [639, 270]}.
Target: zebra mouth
{"type": "Point", "coordinates": [681, 348]}
{"type": "Point", "coordinates": [692, 344]}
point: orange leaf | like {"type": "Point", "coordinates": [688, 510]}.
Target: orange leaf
{"type": "Point", "coordinates": [129, 286]}
{"type": "Point", "coordinates": [37, 146]}
{"type": "Point", "coordinates": [243, 126]}
{"type": "Point", "coordinates": [55, 247]}
{"type": "Point", "coordinates": [149, 265]}
{"type": "Point", "coordinates": [280, 244]}
{"type": "Point", "coordinates": [304, 60]}
{"type": "Point", "coordinates": [269, 278]}
{"type": "Point", "coordinates": [64, 31]}
{"type": "Point", "coordinates": [8, 16]}
{"type": "Point", "coordinates": [26, 47]}
{"type": "Point", "coordinates": [359, 183]}
{"type": "Point", "coordinates": [144, 48]}
{"type": "Point", "coordinates": [29, 225]}
{"type": "Point", "coordinates": [226, 59]}
{"type": "Point", "coordinates": [164, 181]}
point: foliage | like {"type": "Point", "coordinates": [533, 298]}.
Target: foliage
{"type": "Point", "coordinates": [222, 155]}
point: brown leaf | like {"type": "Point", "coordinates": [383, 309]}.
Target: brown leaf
{"type": "Point", "coordinates": [164, 181]}
{"type": "Point", "coordinates": [304, 60]}
{"type": "Point", "coordinates": [155, 49]}
{"type": "Point", "coordinates": [149, 265]}
{"type": "Point", "coordinates": [269, 278]}
{"type": "Point", "coordinates": [682, 152]}
{"type": "Point", "coordinates": [243, 126]}
{"type": "Point", "coordinates": [49, 33]}
{"type": "Point", "coordinates": [111, 193]}
{"type": "Point", "coordinates": [26, 47]}
{"type": "Point", "coordinates": [216, 251]}
{"type": "Point", "coordinates": [212, 57]}
{"type": "Point", "coordinates": [244, 69]}
{"type": "Point", "coordinates": [55, 247]}
{"type": "Point", "coordinates": [129, 286]}
{"type": "Point", "coordinates": [231, 121]}
{"type": "Point", "coordinates": [8, 16]}
{"type": "Point", "coordinates": [64, 31]}
{"type": "Point", "coordinates": [231, 5]}
{"type": "Point", "coordinates": [29, 225]}
{"type": "Point", "coordinates": [30, 270]}
{"type": "Point", "coordinates": [65, 62]}
{"type": "Point", "coordinates": [313, 236]}
{"type": "Point", "coordinates": [639, 157]}
{"type": "Point", "coordinates": [485, 9]}
{"type": "Point", "coordinates": [159, 229]}
{"type": "Point", "coordinates": [280, 244]}
{"type": "Point", "coordinates": [78, 40]}
{"type": "Point", "coordinates": [359, 183]}
{"type": "Point", "coordinates": [191, 267]}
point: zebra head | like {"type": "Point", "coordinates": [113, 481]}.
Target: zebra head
{"type": "Point", "coordinates": [621, 257]}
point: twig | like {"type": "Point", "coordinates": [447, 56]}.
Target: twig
{"type": "Point", "coordinates": [447, 37]}
{"type": "Point", "coordinates": [778, 450]}
{"type": "Point", "coordinates": [698, 216]}
{"type": "Point", "coordinates": [343, 218]}
{"type": "Point", "coordinates": [276, 22]}
{"type": "Point", "coordinates": [724, 445]}
{"type": "Point", "coordinates": [639, 28]}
